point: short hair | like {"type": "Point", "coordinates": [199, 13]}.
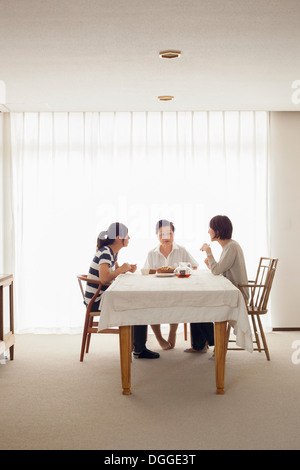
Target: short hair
{"type": "Point", "coordinates": [164, 223]}
{"type": "Point", "coordinates": [222, 227]}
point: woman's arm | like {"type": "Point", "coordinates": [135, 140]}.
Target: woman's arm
{"type": "Point", "coordinates": [106, 277]}
{"type": "Point", "coordinates": [226, 259]}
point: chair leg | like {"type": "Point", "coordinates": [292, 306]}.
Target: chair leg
{"type": "Point", "coordinates": [256, 333]}
{"type": "Point", "coordinates": [266, 349]}
{"type": "Point", "coordinates": [88, 340]}
{"type": "Point", "coordinates": [185, 331]}
{"type": "Point", "coordinates": [89, 335]}
{"type": "Point", "coordinates": [84, 337]}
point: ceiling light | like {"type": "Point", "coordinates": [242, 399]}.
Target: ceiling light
{"type": "Point", "coordinates": [169, 54]}
{"type": "Point", "coordinates": [165, 98]}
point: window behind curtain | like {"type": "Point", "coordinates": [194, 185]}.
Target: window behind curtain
{"type": "Point", "coordinates": [75, 173]}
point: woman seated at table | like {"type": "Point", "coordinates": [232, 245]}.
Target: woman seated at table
{"type": "Point", "coordinates": [167, 253]}
{"type": "Point", "coordinates": [231, 264]}
{"type": "Point", "coordinates": [104, 267]}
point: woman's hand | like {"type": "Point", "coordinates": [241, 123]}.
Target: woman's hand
{"type": "Point", "coordinates": [133, 268]}
{"type": "Point", "coordinates": [205, 247]}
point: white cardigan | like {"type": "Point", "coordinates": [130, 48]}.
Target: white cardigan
{"type": "Point", "coordinates": [156, 259]}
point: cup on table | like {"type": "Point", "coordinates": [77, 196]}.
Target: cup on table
{"type": "Point", "coordinates": [145, 271]}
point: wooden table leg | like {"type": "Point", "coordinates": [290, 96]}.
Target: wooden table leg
{"type": "Point", "coordinates": [220, 355]}
{"type": "Point", "coordinates": [125, 358]}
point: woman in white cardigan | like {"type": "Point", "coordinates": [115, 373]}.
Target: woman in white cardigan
{"type": "Point", "coordinates": [167, 253]}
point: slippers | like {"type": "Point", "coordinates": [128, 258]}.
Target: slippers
{"type": "Point", "coordinates": [196, 351]}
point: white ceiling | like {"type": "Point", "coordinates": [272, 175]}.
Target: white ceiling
{"type": "Point", "coordinates": [103, 55]}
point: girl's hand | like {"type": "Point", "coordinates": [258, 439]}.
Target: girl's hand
{"type": "Point", "coordinates": [207, 263]}
{"type": "Point", "coordinates": [133, 268]}
{"type": "Point", "coordinates": [125, 267]}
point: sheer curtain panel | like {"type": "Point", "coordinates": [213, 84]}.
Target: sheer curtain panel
{"type": "Point", "coordinates": [75, 173]}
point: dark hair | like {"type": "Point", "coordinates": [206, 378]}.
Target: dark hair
{"type": "Point", "coordinates": [164, 223]}
{"type": "Point", "coordinates": [222, 227]}
{"type": "Point", "coordinates": [109, 236]}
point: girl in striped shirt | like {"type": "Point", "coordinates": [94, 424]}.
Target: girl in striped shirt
{"type": "Point", "coordinates": [105, 267]}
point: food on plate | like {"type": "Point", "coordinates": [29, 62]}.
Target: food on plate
{"type": "Point", "coordinates": [152, 271]}
{"type": "Point", "coordinates": [166, 269]}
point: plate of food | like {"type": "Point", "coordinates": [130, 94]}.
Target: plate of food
{"type": "Point", "coordinates": [165, 274]}
{"type": "Point", "coordinates": [165, 271]}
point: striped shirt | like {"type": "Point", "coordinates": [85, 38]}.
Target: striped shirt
{"type": "Point", "coordinates": [104, 256]}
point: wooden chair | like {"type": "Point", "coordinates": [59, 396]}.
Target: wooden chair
{"type": "Point", "coordinates": [259, 291]}
{"type": "Point", "coordinates": [91, 318]}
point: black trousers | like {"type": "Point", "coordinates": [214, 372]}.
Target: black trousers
{"type": "Point", "coordinates": [139, 333]}
{"type": "Point", "coordinates": [202, 333]}
{"type": "Point", "coordinates": [139, 338]}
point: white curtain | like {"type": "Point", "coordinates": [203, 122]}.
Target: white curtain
{"type": "Point", "coordinates": [75, 173]}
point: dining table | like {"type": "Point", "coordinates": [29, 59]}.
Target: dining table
{"type": "Point", "coordinates": [137, 299]}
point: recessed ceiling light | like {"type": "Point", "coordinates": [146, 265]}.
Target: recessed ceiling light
{"type": "Point", "coordinates": [165, 98]}
{"type": "Point", "coordinates": [169, 54]}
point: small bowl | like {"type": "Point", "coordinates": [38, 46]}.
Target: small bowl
{"type": "Point", "coordinates": [146, 271]}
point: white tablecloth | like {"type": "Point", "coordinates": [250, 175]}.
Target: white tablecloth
{"type": "Point", "coordinates": [133, 299]}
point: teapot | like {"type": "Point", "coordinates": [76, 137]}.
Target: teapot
{"type": "Point", "coordinates": [183, 269]}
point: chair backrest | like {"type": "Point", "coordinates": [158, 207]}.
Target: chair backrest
{"type": "Point", "coordinates": [84, 278]}
{"type": "Point", "coordinates": [260, 291]}
{"type": "Point", "coordinates": [81, 278]}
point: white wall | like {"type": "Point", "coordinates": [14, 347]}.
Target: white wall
{"type": "Point", "coordinates": [285, 217]}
